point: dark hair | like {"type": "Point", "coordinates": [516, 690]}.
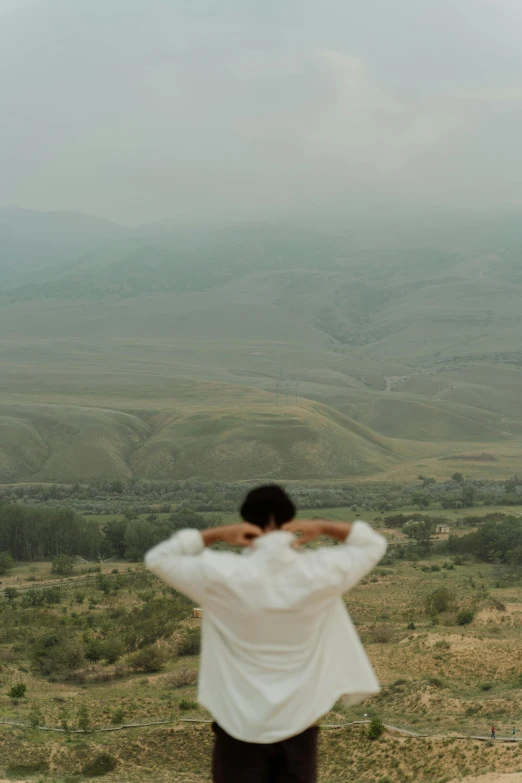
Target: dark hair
{"type": "Point", "coordinates": [265, 503]}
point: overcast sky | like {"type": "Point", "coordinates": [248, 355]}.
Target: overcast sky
{"type": "Point", "coordinates": [138, 110]}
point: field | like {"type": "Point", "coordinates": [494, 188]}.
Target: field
{"type": "Point", "coordinates": [440, 679]}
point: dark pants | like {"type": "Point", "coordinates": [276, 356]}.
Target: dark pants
{"type": "Point", "coordinates": [292, 760]}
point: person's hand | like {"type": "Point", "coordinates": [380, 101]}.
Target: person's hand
{"type": "Point", "coordinates": [306, 529]}
{"type": "Point", "coordinates": [243, 534]}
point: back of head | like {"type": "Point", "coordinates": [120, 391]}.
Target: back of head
{"type": "Point", "coordinates": [267, 503]}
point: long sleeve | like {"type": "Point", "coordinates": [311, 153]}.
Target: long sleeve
{"type": "Point", "coordinates": [341, 567]}
{"type": "Point", "coordinates": [178, 562]}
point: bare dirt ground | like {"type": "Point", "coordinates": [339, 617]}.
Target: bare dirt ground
{"type": "Point", "coordinates": [493, 778]}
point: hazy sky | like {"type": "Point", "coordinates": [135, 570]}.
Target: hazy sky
{"type": "Point", "coordinates": [144, 109]}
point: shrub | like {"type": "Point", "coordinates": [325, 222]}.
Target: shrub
{"type": "Point", "coordinates": [381, 634]}
{"type": "Point", "coordinates": [375, 729]}
{"type": "Point", "coordinates": [35, 717]}
{"type": "Point", "coordinates": [18, 691]}
{"type": "Point", "coordinates": [183, 678]}
{"type": "Point", "coordinates": [11, 593]}
{"type": "Point", "coordinates": [411, 626]}
{"type": "Point", "coordinates": [149, 659]}
{"type": "Point", "coordinates": [112, 650]}
{"type": "Point", "coordinates": [486, 686]}
{"type": "Point", "coordinates": [102, 764]}
{"type": "Point", "coordinates": [93, 650]}
{"type": "Point", "coordinates": [440, 600]}
{"type": "Point", "coordinates": [84, 721]}
{"type": "Point", "coordinates": [63, 565]}
{"type": "Point", "coordinates": [465, 617]}
{"type": "Point", "coordinates": [52, 654]}
{"type": "Point", "coordinates": [191, 643]}
{"type": "Point", "coordinates": [460, 560]}
{"type": "Point", "coordinates": [72, 656]}
{"type": "Point", "coordinates": [33, 598]}
{"type": "Point", "coordinates": [118, 717]}
{"type": "Point", "coordinates": [187, 704]}
{"type": "Point", "coordinates": [436, 682]}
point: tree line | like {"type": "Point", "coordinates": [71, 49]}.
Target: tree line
{"type": "Point", "coordinates": [34, 533]}
{"type": "Point", "coordinates": [115, 496]}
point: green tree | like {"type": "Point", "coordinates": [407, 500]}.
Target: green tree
{"type": "Point", "coordinates": [187, 517]}
{"type": "Point", "coordinates": [6, 563]}
{"type": "Point", "coordinates": [130, 514]}
{"type": "Point", "coordinates": [375, 729]}
{"type": "Point", "coordinates": [458, 478]}
{"type": "Point", "coordinates": [114, 533]}
{"type": "Point", "coordinates": [420, 533]}
{"type": "Point", "coordinates": [469, 494]}
{"type": "Point", "coordinates": [421, 499]}
{"type": "Point", "coordinates": [140, 536]}
{"type": "Point", "coordinates": [112, 650]}
{"type": "Point", "coordinates": [116, 487]}
{"type": "Point", "coordinates": [11, 593]}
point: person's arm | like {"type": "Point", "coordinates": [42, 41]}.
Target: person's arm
{"type": "Point", "coordinates": [178, 562]}
{"type": "Point", "coordinates": [341, 567]}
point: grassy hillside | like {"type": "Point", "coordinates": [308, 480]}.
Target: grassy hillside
{"type": "Point", "coordinates": [415, 334]}
{"type": "Point", "coordinates": [207, 430]}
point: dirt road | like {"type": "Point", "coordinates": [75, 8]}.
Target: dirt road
{"type": "Point", "coordinates": [493, 777]}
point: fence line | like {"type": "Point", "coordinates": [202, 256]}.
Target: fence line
{"type": "Point", "coordinates": [79, 581]}
{"type": "Point", "coordinates": [395, 729]}
{"type": "Point", "coordinates": [20, 725]}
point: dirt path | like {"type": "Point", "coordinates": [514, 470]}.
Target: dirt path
{"type": "Point", "coordinates": [494, 777]}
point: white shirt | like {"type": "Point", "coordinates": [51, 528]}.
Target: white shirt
{"type": "Point", "coordinates": [278, 646]}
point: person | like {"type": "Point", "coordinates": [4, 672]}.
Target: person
{"type": "Point", "coordinates": [514, 732]}
{"type": "Point", "coordinates": [493, 733]}
{"type": "Point", "coordinates": [278, 646]}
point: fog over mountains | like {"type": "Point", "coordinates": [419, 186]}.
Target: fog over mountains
{"type": "Point", "coordinates": [356, 344]}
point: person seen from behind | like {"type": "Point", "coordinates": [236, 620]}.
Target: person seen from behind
{"type": "Point", "coordinates": [278, 646]}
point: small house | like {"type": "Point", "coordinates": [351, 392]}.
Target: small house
{"type": "Point", "coordinates": [197, 612]}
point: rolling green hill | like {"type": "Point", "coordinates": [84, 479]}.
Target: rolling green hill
{"type": "Point", "coordinates": [412, 335]}
{"type": "Point", "coordinates": [206, 430]}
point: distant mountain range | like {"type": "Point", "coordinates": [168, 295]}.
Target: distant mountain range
{"type": "Point", "coordinates": [410, 328]}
